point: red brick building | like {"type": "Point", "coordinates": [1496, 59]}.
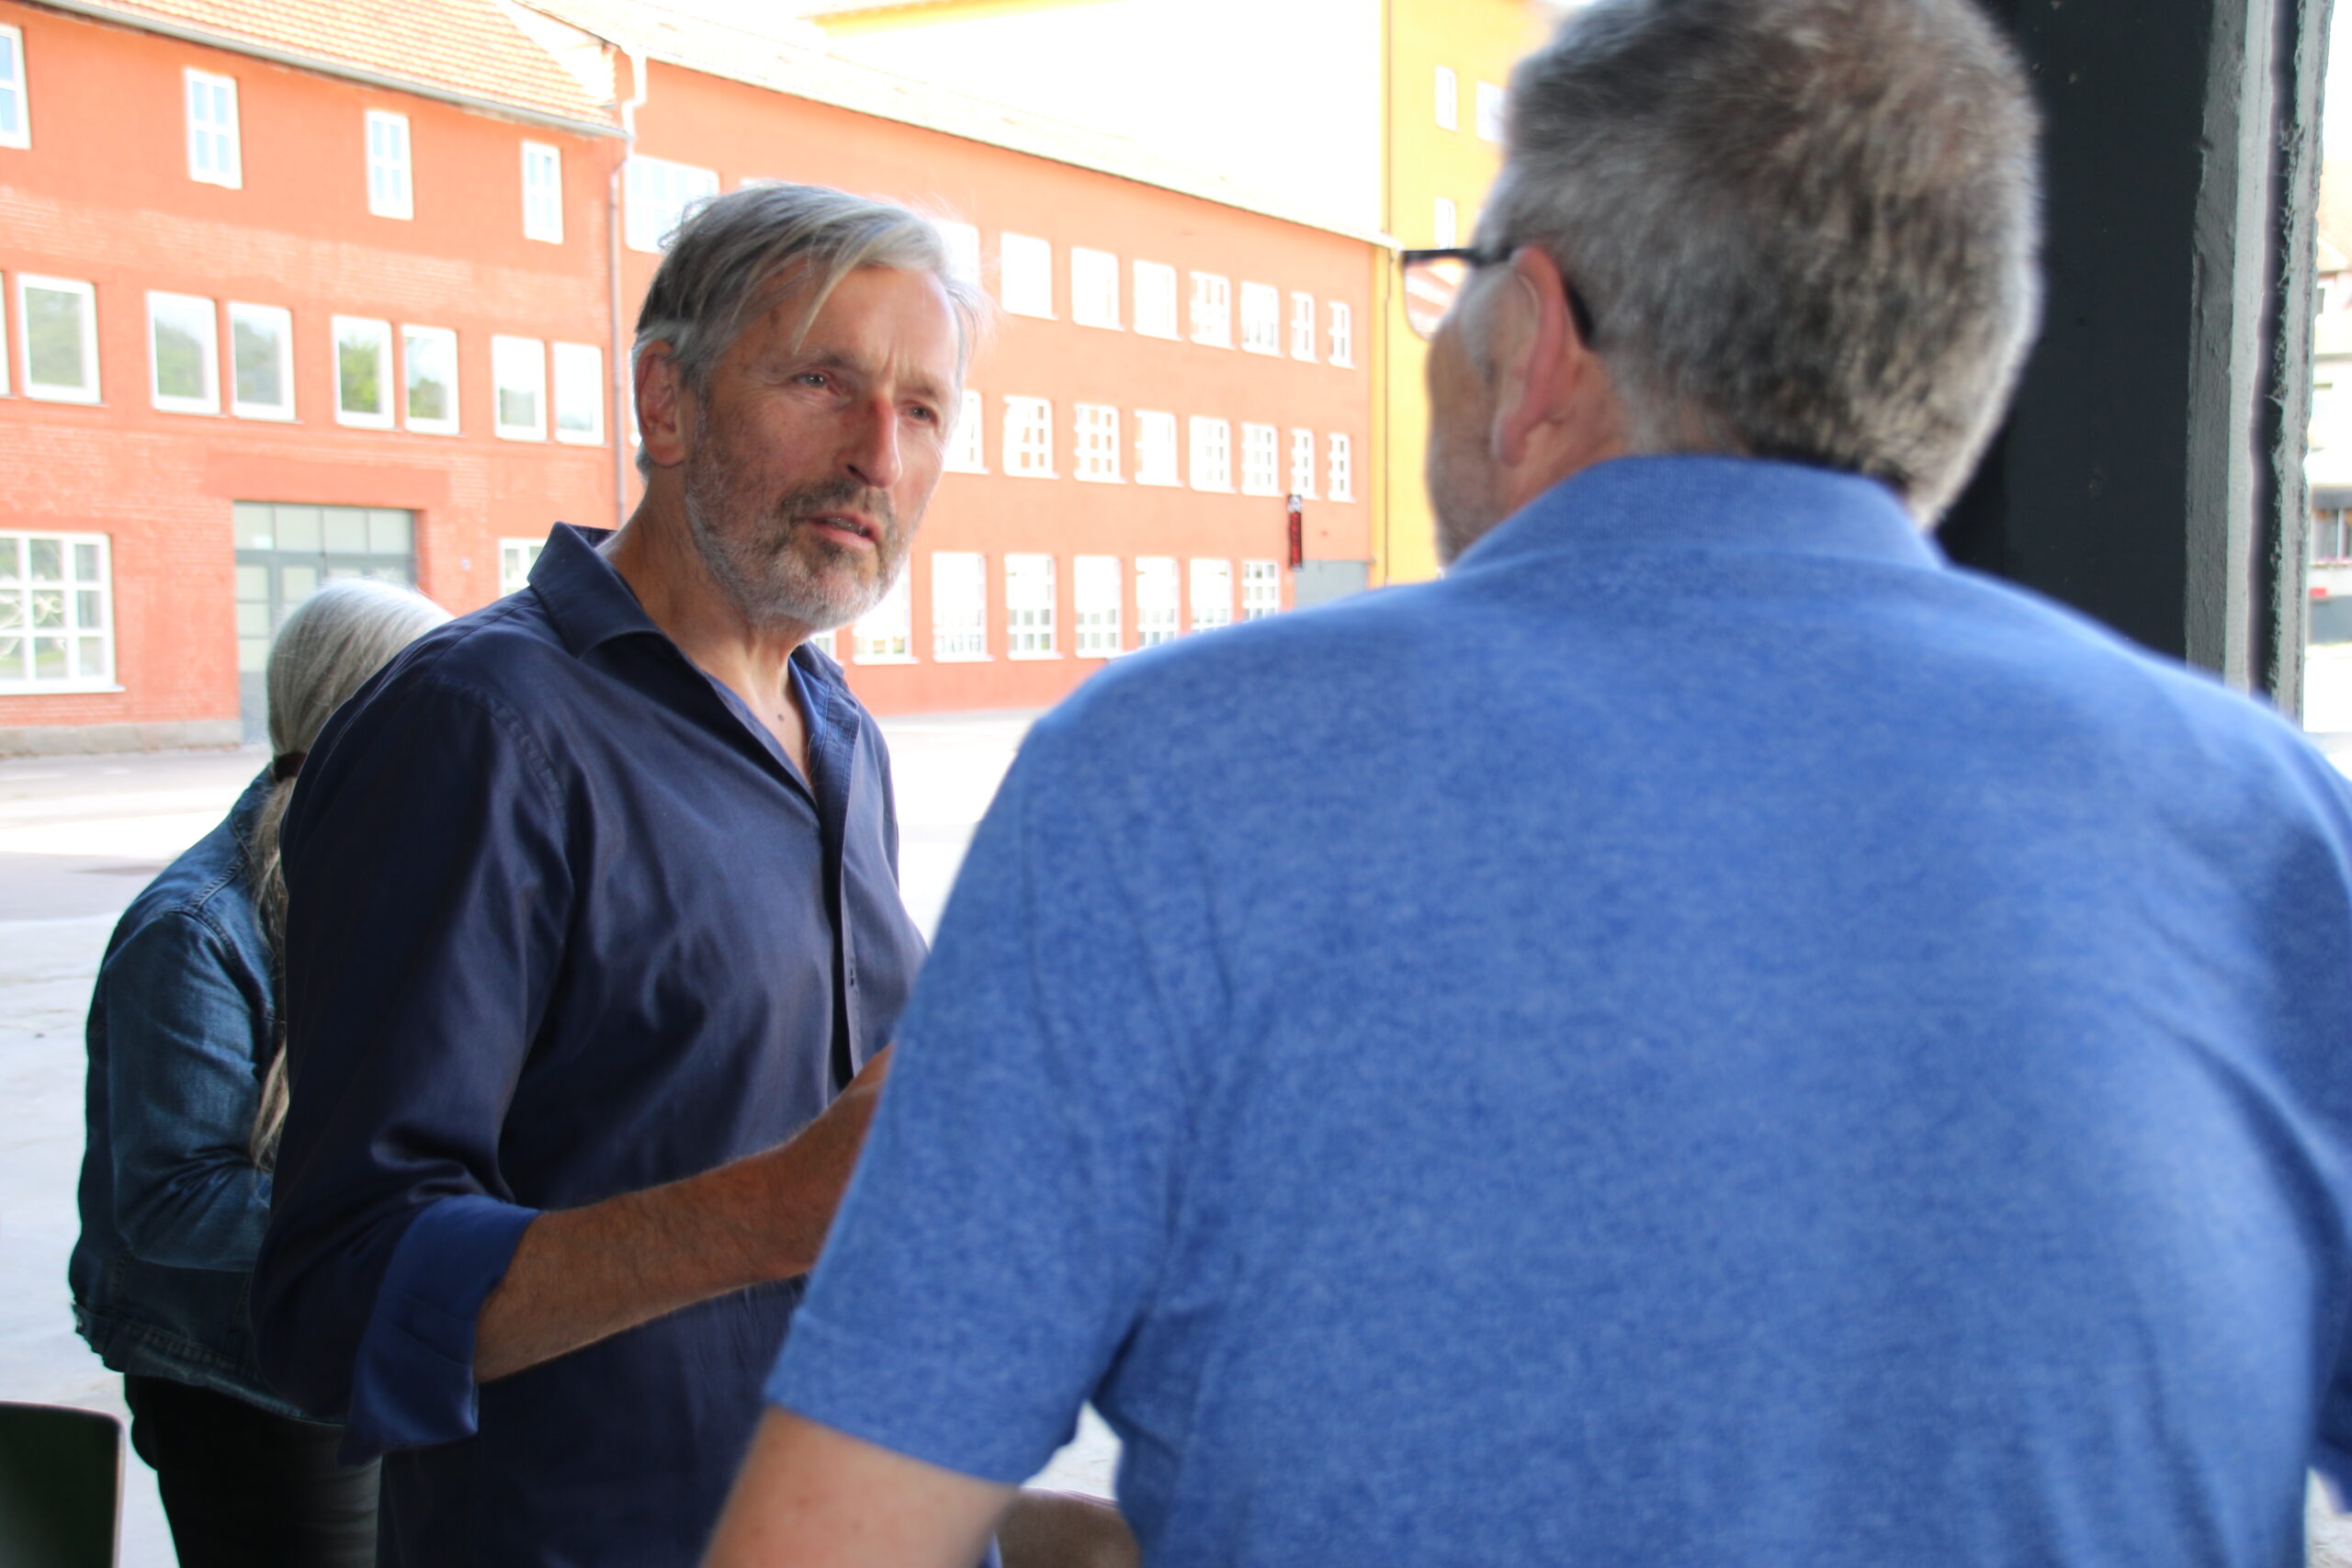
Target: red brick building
{"type": "Point", "coordinates": [292, 294]}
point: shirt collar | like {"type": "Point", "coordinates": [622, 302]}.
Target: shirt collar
{"type": "Point", "coordinates": [1732, 503]}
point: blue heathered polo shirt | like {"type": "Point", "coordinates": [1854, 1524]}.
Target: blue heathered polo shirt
{"type": "Point", "coordinates": [1706, 1037]}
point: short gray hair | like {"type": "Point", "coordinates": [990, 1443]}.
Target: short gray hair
{"type": "Point", "coordinates": [741, 254]}
{"type": "Point", "coordinates": [1806, 228]}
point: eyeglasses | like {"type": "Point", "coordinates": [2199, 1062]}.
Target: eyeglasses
{"type": "Point", "coordinates": [1432, 280]}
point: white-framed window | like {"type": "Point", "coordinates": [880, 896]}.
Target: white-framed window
{"type": "Point", "coordinates": [1025, 275]}
{"type": "Point", "coordinates": [1158, 600]}
{"type": "Point", "coordinates": [1261, 589]}
{"type": "Point", "coordinates": [1155, 298]}
{"type": "Point", "coordinates": [1302, 325]}
{"type": "Point", "coordinates": [962, 242]}
{"type": "Point", "coordinates": [1097, 428]}
{"type": "Point", "coordinates": [429, 380]}
{"type": "Point", "coordinates": [580, 394]}
{"type": "Point", "coordinates": [543, 192]}
{"type": "Point", "coordinates": [518, 388]}
{"type": "Point", "coordinates": [56, 613]}
{"type": "Point", "coordinates": [1261, 318]}
{"type": "Point", "coordinates": [1029, 437]}
{"type": "Point", "coordinates": [1212, 309]}
{"type": "Point", "coordinates": [1212, 454]}
{"type": "Point", "coordinates": [1212, 593]}
{"type": "Point", "coordinates": [827, 642]}
{"type": "Point", "coordinates": [1449, 99]}
{"type": "Point", "coordinates": [1343, 334]}
{"type": "Point", "coordinates": [960, 606]}
{"type": "Point", "coordinates": [1262, 459]}
{"type": "Point", "coordinates": [57, 329]}
{"type": "Point", "coordinates": [1093, 287]}
{"type": "Point", "coordinates": [1029, 607]}
{"type": "Point", "coordinates": [1445, 222]}
{"type": "Point", "coordinates": [1302, 464]}
{"type": "Point", "coordinates": [16, 112]}
{"type": "Point", "coordinates": [516, 559]}
{"type": "Point", "coordinates": [213, 157]}
{"type": "Point", "coordinates": [663, 194]}
{"type": "Point", "coordinates": [966, 451]}
{"type": "Point", "coordinates": [1094, 602]}
{"type": "Point", "coordinates": [1341, 470]}
{"type": "Point", "coordinates": [1156, 448]}
{"type": "Point", "coordinates": [183, 352]}
{"type": "Point", "coordinates": [391, 190]}
{"type": "Point", "coordinates": [261, 361]}
{"type": "Point", "coordinates": [885, 635]}
{"type": "Point", "coordinates": [363, 372]}
{"type": "Point", "coordinates": [1494, 111]}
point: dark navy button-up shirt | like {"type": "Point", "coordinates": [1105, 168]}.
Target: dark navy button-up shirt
{"type": "Point", "coordinates": [566, 924]}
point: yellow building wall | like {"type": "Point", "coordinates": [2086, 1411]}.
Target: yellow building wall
{"type": "Point", "coordinates": [1479, 41]}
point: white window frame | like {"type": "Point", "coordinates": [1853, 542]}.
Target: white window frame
{"type": "Point", "coordinates": [1302, 464]}
{"type": "Point", "coordinates": [652, 209]}
{"type": "Point", "coordinates": [543, 192]}
{"type": "Point", "coordinates": [959, 638]}
{"type": "Point", "coordinates": [1096, 614]}
{"type": "Point", "coordinates": [1208, 581]}
{"type": "Point", "coordinates": [1210, 452]}
{"type": "Point", "coordinates": [1158, 460]}
{"type": "Point", "coordinates": [1155, 291]}
{"type": "Point", "coordinates": [409, 336]}
{"type": "Point", "coordinates": [1262, 459]}
{"type": "Point", "coordinates": [1341, 479]}
{"type": "Point", "coordinates": [827, 642]}
{"type": "Point", "coordinates": [1212, 309]}
{"type": "Point", "coordinates": [1024, 275]}
{"type": "Point", "coordinates": [1160, 599]}
{"type": "Point", "coordinates": [1493, 110]}
{"type": "Point", "coordinates": [1029, 437]}
{"type": "Point", "coordinates": [967, 442]}
{"type": "Point", "coordinates": [1445, 223]}
{"type": "Point", "coordinates": [88, 389]}
{"type": "Point", "coordinates": [1261, 318]}
{"type": "Point", "coordinates": [516, 558]}
{"type": "Point", "coordinates": [1302, 325]}
{"type": "Point", "coordinates": [1094, 288]}
{"type": "Point", "coordinates": [585, 377]}
{"type": "Point", "coordinates": [511, 355]}
{"type": "Point", "coordinates": [1448, 88]}
{"type": "Point", "coordinates": [1342, 320]}
{"type": "Point", "coordinates": [1261, 589]}
{"type": "Point", "coordinates": [17, 81]}
{"type": "Point", "coordinates": [886, 634]}
{"type": "Point", "coordinates": [232, 174]}
{"type": "Point", "coordinates": [1030, 639]}
{"type": "Point", "coordinates": [1094, 444]}
{"type": "Point", "coordinates": [962, 242]}
{"type": "Point", "coordinates": [390, 384]}
{"type": "Point", "coordinates": [208, 348]}
{"type": "Point", "coordinates": [391, 176]}
{"type": "Point", "coordinates": [282, 321]}
{"type": "Point", "coordinates": [19, 682]}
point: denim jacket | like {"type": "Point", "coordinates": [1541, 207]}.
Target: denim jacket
{"type": "Point", "coordinates": [173, 1207]}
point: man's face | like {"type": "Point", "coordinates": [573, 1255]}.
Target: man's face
{"type": "Point", "coordinates": [810, 463]}
{"type": "Point", "coordinates": [1458, 468]}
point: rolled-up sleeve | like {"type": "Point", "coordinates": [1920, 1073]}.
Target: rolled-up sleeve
{"type": "Point", "coordinates": [429, 889]}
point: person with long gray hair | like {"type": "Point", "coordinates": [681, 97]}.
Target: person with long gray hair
{"type": "Point", "coordinates": [1705, 1037]}
{"type": "Point", "coordinates": [186, 1088]}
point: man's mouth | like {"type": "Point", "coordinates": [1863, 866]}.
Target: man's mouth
{"type": "Point", "coordinates": [844, 526]}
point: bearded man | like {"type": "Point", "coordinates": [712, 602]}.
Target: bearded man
{"type": "Point", "coordinates": [600, 942]}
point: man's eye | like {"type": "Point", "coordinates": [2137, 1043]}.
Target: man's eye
{"type": "Point", "coordinates": [814, 378]}
{"type": "Point", "coordinates": [928, 415]}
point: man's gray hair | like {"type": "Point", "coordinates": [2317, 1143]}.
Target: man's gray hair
{"type": "Point", "coordinates": [1806, 228]}
{"type": "Point", "coordinates": [740, 256]}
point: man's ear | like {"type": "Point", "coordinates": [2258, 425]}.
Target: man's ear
{"type": "Point", "coordinates": [1530, 334]}
{"type": "Point", "coordinates": [664, 407]}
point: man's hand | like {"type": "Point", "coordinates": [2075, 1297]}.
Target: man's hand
{"type": "Point", "coordinates": [581, 1274]}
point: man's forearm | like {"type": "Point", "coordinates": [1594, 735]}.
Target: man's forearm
{"type": "Point", "coordinates": [581, 1274]}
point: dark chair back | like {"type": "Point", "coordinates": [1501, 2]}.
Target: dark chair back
{"type": "Point", "coordinates": [61, 1487]}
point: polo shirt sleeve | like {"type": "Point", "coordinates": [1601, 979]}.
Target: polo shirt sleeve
{"type": "Point", "coordinates": [1011, 1210]}
{"type": "Point", "coordinates": [428, 892]}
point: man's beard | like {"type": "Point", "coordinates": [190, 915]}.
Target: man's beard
{"type": "Point", "coordinates": [768, 560]}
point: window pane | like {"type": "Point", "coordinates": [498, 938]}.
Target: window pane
{"type": "Point", "coordinates": [49, 609]}
{"type": "Point", "coordinates": [298, 528]}
{"type": "Point", "coordinates": [257, 343]}
{"type": "Point", "coordinates": [49, 659]}
{"type": "Point", "coordinates": [346, 530]}
{"type": "Point", "coordinates": [183, 343]}
{"type": "Point", "coordinates": [360, 371]}
{"type": "Point", "coordinates": [47, 560]}
{"type": "Point", "coordinates": [94, 658]}
{"type": "Point", "coordinates": [432, 376]}
{"type": "Point", "coordinates": [387, 532]}
{"type": "Point", "coordinates": [85, 563]}
{"type": "Point", "coordinates": [53, 338]}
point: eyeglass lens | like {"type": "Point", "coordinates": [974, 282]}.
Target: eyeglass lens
{"type": "Point", "coordinates": [1429, 289]}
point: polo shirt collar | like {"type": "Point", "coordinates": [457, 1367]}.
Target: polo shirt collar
{"type": "Point", "coordinates": [1709, 503]}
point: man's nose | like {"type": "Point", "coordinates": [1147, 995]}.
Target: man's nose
{"type": "Point", "coordinates": [873, 455]}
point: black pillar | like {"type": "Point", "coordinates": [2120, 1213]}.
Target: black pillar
{"type": "Point", "coordinates": [2151, 470]}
